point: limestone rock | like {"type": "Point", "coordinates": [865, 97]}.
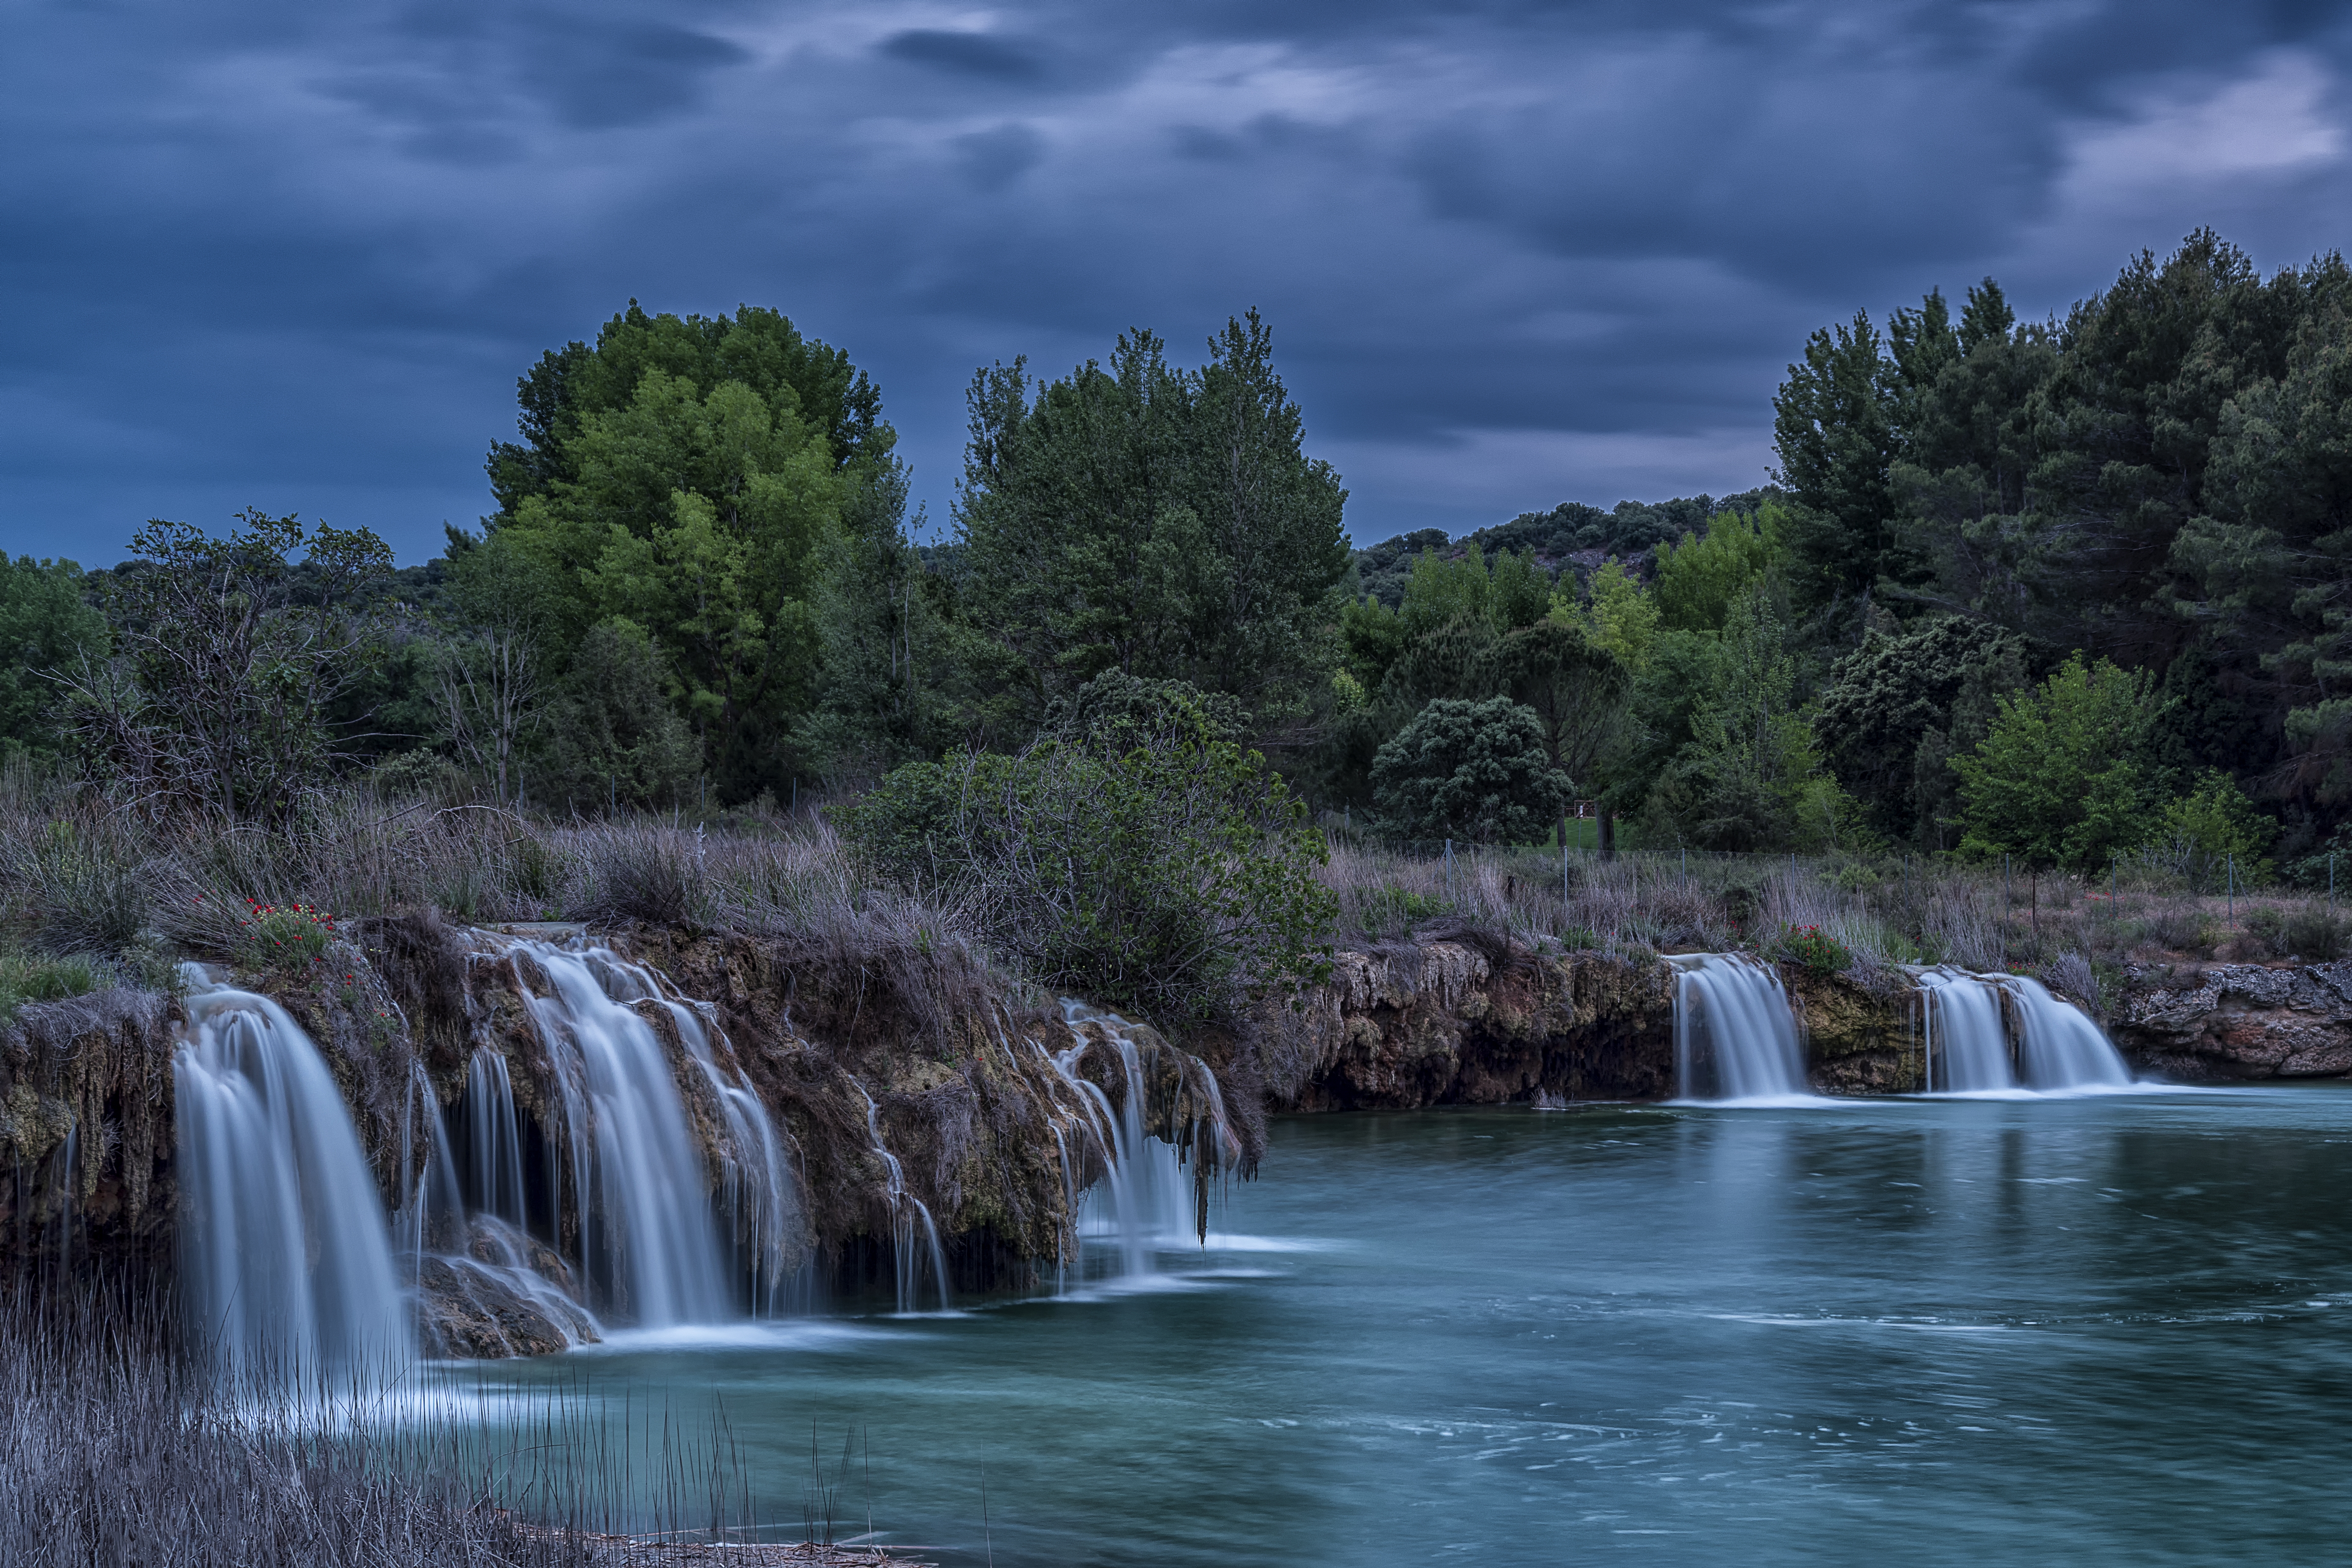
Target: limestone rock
{"type": "Point", "coordinates": [2207, 1022]}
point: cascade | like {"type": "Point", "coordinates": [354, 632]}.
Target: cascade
{"type": "Point", "coordinates": [1966, 1046]}
{"type": "Point", "coordinates": [286, 1265]}
{"type": "Point", "coordinates": [2058, 1047]}
{"type": "Point", "coordinates": [903, 1257]}
{"type": "Point", "coordinates": [1971, 1020]}
{"type": "Point", "coordinates": [638, 1181]}
{"type": "Point", "coordinates": [493, 1139]}
{"type": "Point", "coordinates": [1146, 1200]}
{"type": "Point", "coordinates": [1734, 1037]}
{"type": "Point", "coordinates": [756, 1187]}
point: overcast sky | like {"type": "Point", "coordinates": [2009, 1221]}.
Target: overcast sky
{"type": "Point", "coordinates": [294, 256]}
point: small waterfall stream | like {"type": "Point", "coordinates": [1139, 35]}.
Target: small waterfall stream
{"type": "Point", "coordinates": [1964, 1044]}
{"type": "Point", "coordinates": [1735, 1036]}
{"type": "Point", "coordinates": [2059, 1048]}
{"type": "Point", "coordinates": [1995, 1034]}
{"type": "Point", "coordinates": [1147, 1199]}
{"type": "Point", "coordinates": [287, 1263]}
{"type": "Point", "coordinates": [650, 1232]}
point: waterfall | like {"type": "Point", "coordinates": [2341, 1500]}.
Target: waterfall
{"type": "Point", "coordinates": [493, 1139]}
{"type": "Point", "coordinates": [1966, 1045]}
{"type": "Point", "coordinates": [639, 1184]}
{"type": "Point", "coordinates": [1971, 1020]}
{"type": "Point", "coordinates": [1146, 1201]}
{"type": "Point", "coordinates": [286, 1265]}
{"type": "Point", "coordinates": [903, 1259]}
{"type": "Point", "coordinates": [2058, 1047]}
{"type": "Point", "coordinates": [1734, 1037]}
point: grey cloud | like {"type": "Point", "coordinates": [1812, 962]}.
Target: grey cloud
{"type": "Point", "coordinates": [268, 252]}
{"type": "Point", "coordinates": [967, 53]}
{"type": "Point", "coordinates": [993, 159]}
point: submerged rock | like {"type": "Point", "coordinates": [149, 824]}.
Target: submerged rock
{"type": "Point", "coordinates": [506, 1295]}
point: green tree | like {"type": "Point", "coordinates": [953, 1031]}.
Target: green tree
{"type": "Point", "coordinates": [1575, 688]}
{"type": "Point", "coordinates": [1476, 770]}
{"type": "Point", "coordinates": [685, 474]}
{"type": "Point", "coordinates": [1897, 707]}
{"type": "Point", "coordinates": [2058, 782]}
{"type": "Point", "coordinates": [891, 674]}
{"type": "Point", "coordinates": [227, 661]}
{"type": "Point", "coordinates": [1834, 429]}
{"type": "Point", "coordinates": [614, 734]}
{"type": "Point", "coordinates": [1748, 777]}
{"type": "Point", "coordinates": [1701, 579]}
{"type": "Point", "coordinates": [1161, 522]}
{"type": "Point", "coordinates": [1618, 615]}
{"type": "Point", "coordinates": [45, 626]}
{"type": "Point", "coordinates": [2217, 832]}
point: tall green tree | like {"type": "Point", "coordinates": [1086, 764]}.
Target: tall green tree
{"type": "Point", "coordinates": [1835, 427]}
{"type": "Point", "coordinates": [683, 476]}
{"type": "Point", "coordinates": [892, 670]}
{"type": "Point", "coordinates": [1161, 522]}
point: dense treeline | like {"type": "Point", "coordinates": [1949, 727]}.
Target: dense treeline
{"type": "Point", "coordinates": [2062, 591]}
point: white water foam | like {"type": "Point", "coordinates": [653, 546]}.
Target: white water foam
{"type": "Point", "coordinates": [287, 1262]}
{"type": "Point", "coordinates": [1736, 1039]}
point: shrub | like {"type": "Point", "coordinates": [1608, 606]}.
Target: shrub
{"type": "Point", "coordinates": [81, 892]}
{"type": "Point", "coordinates": [1808, 948]}
{"type": "Point", "coordinates": [288, 940]}
{"type": "Point", "coordinates": [2182, 930]}
{"type": "Point", "coordinates": [2314, 935]}
{"type": "Point", "coordinates": [1156, 875]}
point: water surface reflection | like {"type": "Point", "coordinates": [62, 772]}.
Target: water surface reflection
{"type": "Point", "coordinates": [2107, 1330]}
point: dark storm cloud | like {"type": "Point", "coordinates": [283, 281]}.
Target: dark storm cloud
{"type": "Point", "coordinates": [971, 53]}
{"type": "Point", "coordinates": [295, 256]}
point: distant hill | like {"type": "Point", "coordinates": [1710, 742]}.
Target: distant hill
{"type": "Point", "coordinates": [1570, 535]}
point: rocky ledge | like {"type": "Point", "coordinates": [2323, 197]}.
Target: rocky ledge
{"type": "Point", "coordinates": [1463, 1017]}
{"type": "Point", "coordinates": [2206, 1023]}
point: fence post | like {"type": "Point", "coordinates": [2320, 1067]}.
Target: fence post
{"type": "Point", "coordinates": [2230, 881]}
{"type": "Point", "coordinates": [1563, 884]}
{"type": "Point", "coordinates": [1449, 869]}
{"type": "Point", "coordinates": [2004, 910]}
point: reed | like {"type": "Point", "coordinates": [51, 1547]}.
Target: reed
{"type": "Point", "coordinates": [115, 1452]}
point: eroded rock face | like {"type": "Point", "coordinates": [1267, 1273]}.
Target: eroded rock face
{"type": "Point", "coordinates": [1462, 1021]}
{"type": "Point", "coordinates": [1858, 1033]}
{"type": "Point", "coordinates": [2237, 1021]}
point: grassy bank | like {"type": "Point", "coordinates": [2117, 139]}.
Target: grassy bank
{"type": "Point", "coordinates": [1884, 911]}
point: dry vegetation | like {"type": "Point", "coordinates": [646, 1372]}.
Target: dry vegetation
{"type": "Point", "coordinates": [114, 1454]}
{"type": "Point", "coordinates": [1884, 911]}
{"type": "Point", "coordinates": [96, 893]}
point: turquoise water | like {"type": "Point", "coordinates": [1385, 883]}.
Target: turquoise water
{"type": "Point", "coordinates": [2109, 1330]}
